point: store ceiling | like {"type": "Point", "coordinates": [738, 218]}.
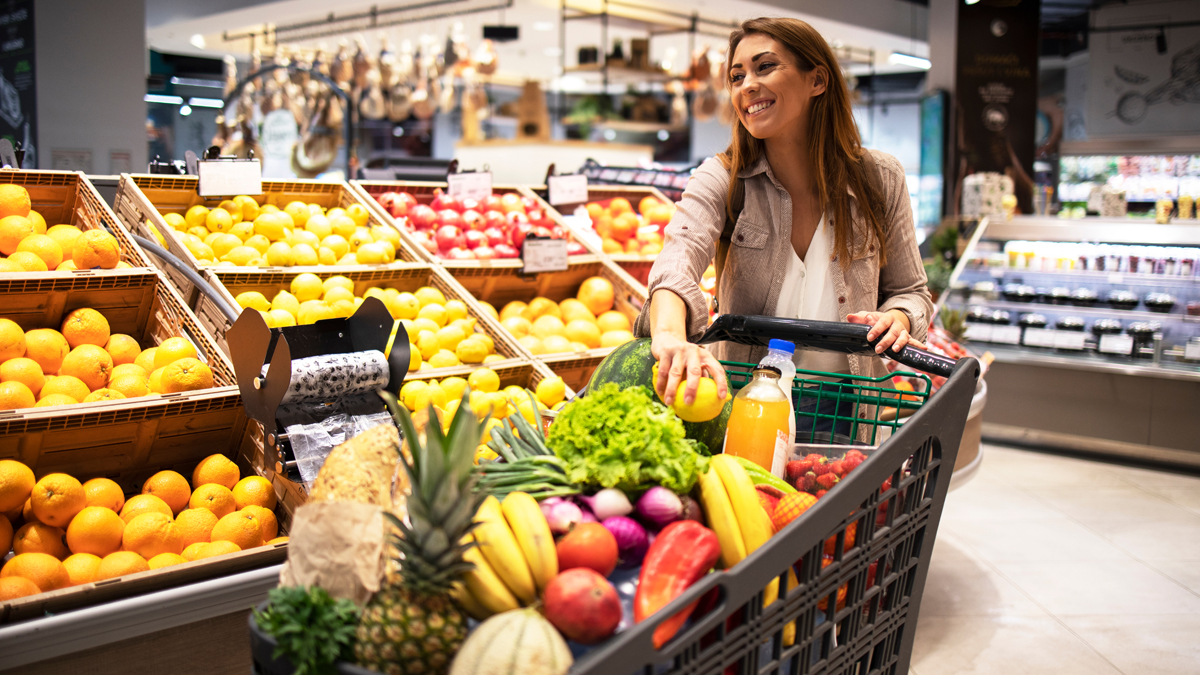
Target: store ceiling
{"type": "Point", "coordinates": [172, 26]}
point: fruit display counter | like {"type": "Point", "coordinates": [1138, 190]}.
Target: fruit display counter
{"type": "Point", "coordinates": [301, 225]}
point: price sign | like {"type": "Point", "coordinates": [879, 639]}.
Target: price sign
{"type": "Point", "coordinates": [476, 185]}
{"type": "Point", "coordinates": [1009, 335]}
{"type": "Point", "coordinates": [1191, 351]}
{"type": "Point", "coordinates": [1039, 337]}
{"type": "Point", "coordinates": [544, 255]}
{"type": "Point", "coordinates": [979, 332]}
{"type": "Point", "coordinates": [1069, 339]}
{"type": "Point", "coordinates": [568, 189]}
{"type": "Point", "coordinates": [1116, 344]}
{"type": "Point", "coordinates": [223, 178]}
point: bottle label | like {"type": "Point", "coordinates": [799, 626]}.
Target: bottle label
{"type": "Point", "coordinates": [779, 456]}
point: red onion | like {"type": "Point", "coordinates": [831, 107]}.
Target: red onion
{"type": "Point", "coordinates": [632, 540]}
{"type": "Point", "coordinates": [691, 510]}
{"type": "Point", "coordinates": [562, 516]}
{"type": "Point", "coordinates": [608, 503]}
{"type": "Point", "coordinates": [660, 507]}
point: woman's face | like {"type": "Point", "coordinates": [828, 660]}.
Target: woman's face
{"type": "Point", "coordinates": [769, 91]}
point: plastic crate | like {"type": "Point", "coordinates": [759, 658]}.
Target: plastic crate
{"type": "Point", "coordinates": [144, 199]}
{"type": "Point", "coordinates": [69, 198]}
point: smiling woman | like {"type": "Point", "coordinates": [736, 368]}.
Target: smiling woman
{"type": "Point", "coordinates": [805, 223]}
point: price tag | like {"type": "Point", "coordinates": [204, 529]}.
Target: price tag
{"type": "Point", "coordinates": [1009, 335]}
{"type": "Point", "coordinates": [1039, 337]}
{"type": "Point", "coordinates": [568, 189]}
{"type": "Point", "coordinates": [1069, 339]}
{"type": "Point", "coordinates": [476, 185]}
{"type": "Point", "coordinates": [1191, 351]}
{"type": "Point", "coordinates": [1116, 279]}
{"type": "Point", "coordinates": [1116, 344]}
{"type": "Point", "coordinates": [979, 332]}
{"type": "Point", "coordinates": [544, 255]}
{"type": "Point", "coordinates": [223, 178]}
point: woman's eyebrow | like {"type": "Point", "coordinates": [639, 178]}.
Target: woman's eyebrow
{"type": "Point", "coordinates": [756, 57]}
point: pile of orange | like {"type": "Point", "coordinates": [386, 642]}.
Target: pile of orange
{"type": "Point", "coordinates": [65, 533]}
{"type": "Point", "coordinates": [84, 362]}
{"type": "Point", "coordinates": [587, 321]}
{"type": "Point", "coordinates": [623, 230]}
{"type": "Point", "coordinates": [27, 244]}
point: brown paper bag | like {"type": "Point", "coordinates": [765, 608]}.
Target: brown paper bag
{"type": "Point", "coordinates": [339, 546]}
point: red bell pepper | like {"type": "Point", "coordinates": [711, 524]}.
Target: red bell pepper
{"type": "Point", "coordinates": [683, 552]}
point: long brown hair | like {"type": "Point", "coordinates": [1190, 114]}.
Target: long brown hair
{"type": "Point", "coordinates": [834, 146]}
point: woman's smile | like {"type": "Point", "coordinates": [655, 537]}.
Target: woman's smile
{"type": "Point", "coordinates": [759, 106]}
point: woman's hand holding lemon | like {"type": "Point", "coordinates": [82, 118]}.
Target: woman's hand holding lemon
{"type": "Point", "coordinates": [683, 363]}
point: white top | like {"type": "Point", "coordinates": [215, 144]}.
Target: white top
{"type": "Point", "coordinates": [808, 292]}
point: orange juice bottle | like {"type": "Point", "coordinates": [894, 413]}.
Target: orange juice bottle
{"type": "Point", "coordinates": [758, 424]}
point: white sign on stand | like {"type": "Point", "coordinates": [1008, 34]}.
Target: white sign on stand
{"type": "Point", "coordinates": [1116, 344]}
{"type": "Point", "coordinates": [979, 332]}
{"type": "Point", "coordinates": [544, 255]}
{"type": "Point", "coordinates": [1069, 339]}
{"type": "Point", "coordinates": [1039, 337]}
{"type": "Point", "coordinates": [228, 177]}
{"type": "Point", "coordinates": [1009, 335]}
{"type": "Point", "coordinates": [571, 189]}
{"type": "Point", "coordinates": [476, 185]}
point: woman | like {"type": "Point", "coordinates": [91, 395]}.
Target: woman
{"type": "Point", "coordinates": [819, 227]}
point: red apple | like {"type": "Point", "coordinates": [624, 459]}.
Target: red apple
{"type": "Point", "coordinates": [506, 251]}
{"type": "Point", "coordinates": [582, 605]}
{"type": "Point", "coordinates": [475, 239]}
{"type": "Point", "coordinates": [450, 217]}
{"type": "Point", "coordinates": [485, 253]}
{"type": "Point", "coordinates": [491, 203]}
{"type": "Point", "coordinates": [422, 217]}
{"type": "Point", "coordinates": [496, 236]}
{"type": "Point", "coordinates": [474, 220]}
{"type": "Point", "coordinates": [496, 219]}
{"type": "Point", "coordinates": [448, 237]}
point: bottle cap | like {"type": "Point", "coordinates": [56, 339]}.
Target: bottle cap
{"type": "Point", "coordinates": [782, 345]}
{"type": "Point", "coordinates": [768, 369]}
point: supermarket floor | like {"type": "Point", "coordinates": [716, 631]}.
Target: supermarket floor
{"type": "Point", "coordinates": [1048, 564]}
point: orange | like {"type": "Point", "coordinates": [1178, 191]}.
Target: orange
{"type": "Point", "coordinates": [47, 347]}
{"type": "Point", "coordinates": [95, 530]}
{"type": "Point", "coordinates": [56, 499]}
{"type": "Point", "coordinates": [65, 235]}
{"type": "Point", "coordinates": [193, 550]}
{"type": "Point", "coordinates": [6, 534]}
{"type": "Point", "coordinates": [12, 588]}
{"type": "Point", "coordinates": [139, 504]}
{"type": "Point", "coordinates": [104, 492]}
{"type": "Point", "coordinates": [89, 363]}
{"type": "Point", "coordinates": [186, 375]}
{"type": "Point", "coordinates": [277, 540]}
{"type": "Point", "coordinates": [615, 338]}
{"type": "Point", "coordinates": [660, 215]}
{"type": "Point", "coordinates": [12, 340]}
{"type": "Point", "coordinates": [539, 307]}
{"type": "Point", "coordinates": [39, 223]}
{"type": "Point", "coordinates": [154, 382]}
{"type": "Point", "coordinates": [13, 229]}
{"type": "Point", "coordinates": [169, 486]}
{"type": "Point", "coordinates": [31, 262]}
{"type": "Point", "coordinates": [67, 266]}
{"type": "Point", "coordinates": [122, 348]}
{"type": "Point", "coordinates": [165, 560]}
{"type": "Point", "coordinates": [81, 568]}
{"type": "Point", "coordinates": [612, 320]}
{"type": "Point", "coordinates": [254, 490]}
{"type": "Point", "coordinates": [620, 205]}
{"type": "Point", "coordinates": [173, 349]}
{"type": "Point", "coordinates": [215, 498]}
{"type": "Point", "coordinates": [573, 309]}
{"type": "Point", "coordinates": [583, 331]}
{"type": "Point", "coordinates": [129, 386]}
{"type": "Point", "coordinates": [195, 525]}
{"type": "Point", "coordinates": [146, 360]}
{"type": "Point", "coordinates": [266, 518]}
{"type": "Point", "coordinates": [96, 248]}
{"type": "Point", "coordinates": [546, 326]}
{"type": "Point", "coordinates": [67, 385]}
{"type": "Point", "coordinates": [104, 395]}
{"type": "Point", "coordinates": [647, 203]}
{"type": "Point", "coordinates": [150, 534]}
{"type": "Point", "coordinates": [27, 512]}
{"type": "Point", "coordinates": [119, 564]}
{"type": "Point", "coordinates": [52, 400]}
{"type": "Point", "coordinates": [8, 266]}
{"type": "Point", "coordinates": [14, 200]}
{"type": "Point", "coordinates": [216, 548]}
{"type": "Point", "coordinates": [241, 528]}
{"type": "Point", "coordinates": [86, 326]}
{"type": "Point", "coordinates": [597, 294]}
{"type": "Point", "coordinates": [38, 538]}
{"type": "Point", "coordinates": [44, 570]}
{"type": "Point", "coordinates": [16, 484]}
{"type": "Point", "coordinates": [43, 247]}
{"type": "Point", "coordinates": [128, 369]}
{"type": "Point", "coordinates": [217, 469]}
{"type": "Point", "coordinates": [624, 227]}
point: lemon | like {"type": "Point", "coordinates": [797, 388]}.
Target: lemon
{"type": "Point", "coordinates": [358, 213]}
{"type": "Point", "coordinates": [359, 239]}
{"type": "Point", "coordinates": [489, 309]}
{"type": "Point", "coordinates": [404, 306]}
{"type": "Point", "coordinates": [443, 359]}
{"type": "Point", "coordinates": [299, 212]}
{"type": "Point", "coordinates": [304, 255]}
{"type": "Point", "coordinates": [414, 358]}
{"type": "Point", "coordinates": [427, 295]}
{"type": "Point", "coordinates": [492, 358]}
{"type": "Point", "coordinates": [525, 407]}
{"type": "Point", "coordinates": [706, 406]}
{"type": "Point", "coordinates": [318, 225]}
{"type": "Point", "coordinates": [335, 211]}
{"type": "Point", "coordinates": [467, 325]}
{"type": "Point", "coordinates": [196, 216]}
{"type": "Point", "coordinates": [287, 222]}
{"type": "Point", "coordinates": [449, 337]}
{"type": "Point", "coordinates": [312, 312]}
{"type": "Point", "coordinates": [304, 237]}
{"type": "Point", "coordinates": [326, 257]}
{"type": "Point", "coordinates": [455, 310]}
{"type": "Point", "coordinates": [337, 244]}
{"type": "Point", "coordinates": [485, 380]}
{"type": "Point", "coordinates": [153, 230]}
{"type": "Point", "coordinates": [176, 221]}
{"type": "Point", "coordinates": [413, 393]}
{"type": "Point", "coordinates": [470, 350]}
{"type": "Point", "coordinates": [224, 243]}
{"type": "Point", "coordinates": [348, 259]}
{"type": "Point", "coordinates": [253, 299]}
{"type": "Point", "coordinates": [269, 226]}
{"type": "Point", "coordinates": [499, 404]}
{"type": "Point", "coordinates": [421, 325]}
{"type": "Point", "coordinates": [454, 387]}
{"type": "Point", "coordinates": [486, 339]}
{"type": "Point", "coordinates": [268, 319]}
{"type": "Point", "coordinates": [342, 225]}
{"type": "Point", "coordinates": [285, 301]}
{"type": "Point", "coordinates": [342, 308]}
{"type": "Point", "coordinates": [374, 254]}
{"type": "Point", "coordinates": [258, 243]}
{"type": "Point", "coordinates": [428, 344]}
{"type": "Point", "coordinates": [487, 433]}
{"type": "Point", "coordinates": [338, 281]}
{"type": "Point", "coordinates": [218, 220]}
{"type": "Point", "coordinates": [201, 250]}
{"type": "Point", "coordinates": [532, 344]}
{"type": "Point", "coordinates": [241, 256]}
{"type": "Point", "coordinates": [242, 231]}
{"type": "Point", "coordinates": [375, 293]}
{"type": "Point", "coordinates": [198, 232]}
{"type": "Point", "coordinates": [551, 390]}
{"type": "Point", "coordinates": [437, 395]}
{"type": "Point", "coordinates": [514, 393]}
{"type": "Point", "coordinates": [282, 318]}
{"type": "Point", "coordinates": [335, 293]}
{"type": "Point", "coordinates": [307, 286]}
{"type": "Point", "coordinates": [268, 208]}
{"type": "Point", "coordinates": [279, 254]}
{"type": "Point", "coordinates": [385, 233]}
{"type": "Point", "coordinates": [231, 207]}
{"type": "Point", "coordinates": [248, 205]}
{"type": "Point", "coordinates": [434, 312]}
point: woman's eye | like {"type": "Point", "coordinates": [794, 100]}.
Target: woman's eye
{"type": "Point", "coordinates": [737, 77]}
{"type": "Point", "coordinates": [764, 66]}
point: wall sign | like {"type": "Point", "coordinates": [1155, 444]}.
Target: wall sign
{"type": "Point", "coordinates": [18, 94]}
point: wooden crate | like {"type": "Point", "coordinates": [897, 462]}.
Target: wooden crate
{"type": "Point", "coordinates": [144, 198]}
{"type": "Point", "coordinates": [424, 193]}
{"type": "Point", "coordinates": [230, 281]}
{"type": "Point", "coordinates": [59, 196]}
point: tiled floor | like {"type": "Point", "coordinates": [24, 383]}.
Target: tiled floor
{"type": "Point", "coordinates": [1047, 564]}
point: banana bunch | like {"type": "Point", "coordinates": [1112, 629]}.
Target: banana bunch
{"type": "Point", "coordinates": [739, 520]}
{"type": "Point", "coordinates": [514, 557]}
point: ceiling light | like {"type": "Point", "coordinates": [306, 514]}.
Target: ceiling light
{"type": "Point", "coordinates": [972, 2]}
{"type": "Point", "coordinates": [901, 59]}
{"type": "Point", "coordinates": [543, 25]}
{"type": "Point", "coordinates": [206, 102]}
{"type": "Point", "coordinates": [198, 41]}
{"type": "Point", "coordinates": [185, 110]}
{"type": "Point", "coordinates": [192, 82]}
{"type": "Point", "coordinates": [159, 98]}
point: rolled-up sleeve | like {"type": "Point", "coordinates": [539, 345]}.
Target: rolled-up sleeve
{"type": "Point", "coordinates": [902, 280]}
{"type": "Point", "coordinates": [689, 246]}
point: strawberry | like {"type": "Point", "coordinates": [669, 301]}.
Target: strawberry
{"type": "Point", "coordinates": [797, 468]}
{"type": "Point", "coordinates": [816, 459]}
{"type": "Point", "coordinates": [855, 454]}
{"type": "Point", "coordinates": [822, 469]}
{"type": "Point", "coordinates": [887, 485]}
{"type": "Point", "coordinates": [807, 482]}
{"type": "Point", "coordinates": [838, 467]}
{"type": "Point", "coordinates": [827, 480]}
{"type": "Point", "coordinates": [821, 493]}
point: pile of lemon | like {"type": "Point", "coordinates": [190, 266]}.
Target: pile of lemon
{"type": "Point", "coordinates": [441, 332]}
{"type": "Point", "coordinates": [240, 232]}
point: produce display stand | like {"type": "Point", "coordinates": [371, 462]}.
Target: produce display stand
{"type": "Point", "coordinates": [127, 440]}
{"type": "Point", "coordinates": [69, 198]}
{"type": "Point", "coordinates": [144, 199]}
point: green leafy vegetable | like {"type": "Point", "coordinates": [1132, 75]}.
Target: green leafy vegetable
{"type": "Point", "coordinates": [624, 438]}
{"type": "Point", "coordinates": [312, 629]}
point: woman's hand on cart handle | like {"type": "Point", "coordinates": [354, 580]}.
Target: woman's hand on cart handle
{"type": "Point", "coordinates": [680, 360]}
{"type": "Point", "coordinates": [890, 327]}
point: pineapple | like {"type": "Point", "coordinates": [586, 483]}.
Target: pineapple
{"type": "Point", "coordinates": [411, 625]}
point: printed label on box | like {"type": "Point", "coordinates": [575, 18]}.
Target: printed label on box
{"type": "Point", "coordinates": [476, 185]}
{"type": "Point", "coordinates": [544, 255]}
{"type": "Point", "coordinates": [1116, 344]}
{"type": "Point", "coordinates": [568, 190]}
{"type": "Point", "coordinates": [1039, 337]}
{"type": "Point", "coordinates": [1069, 339]}
{"type": "Point", "coordinates": [1191, 351]}
{"type": "Point", "coordinates": [1009, 335]}
{"type": "Point", "coordinates": [979, 332]}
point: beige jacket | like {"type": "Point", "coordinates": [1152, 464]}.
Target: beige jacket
{"type": "Point", "coordinates": [759, 254]}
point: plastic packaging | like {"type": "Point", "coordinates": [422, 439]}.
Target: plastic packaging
{"type": "Point", "coordinates": [760, 421]}
{"type": "Point", "coordinates": [780, 354]}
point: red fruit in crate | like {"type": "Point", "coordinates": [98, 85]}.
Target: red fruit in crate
{"type": "Point", "coordinates": [422, 217]}
{"type": "Point", "coordinates": [394, 205]}
{"type": "Point", "coordinates": [822, 468]}
{"type": "Point", "coordinates": [474, 220]}
{"type": "Point", "coordinates": [516, 218]}
{"type": "Point", "coordinates": [492, 202]}
{"type": "Point", "coordinates": [790, 508]}
{"type": "Point", "coordinates": [837, 467]}
{"type": "Point", "coordinates": [537, 217]}
{"type": "Point", "coordinates": [795, 469]}
{"type": "Point", "coordinates": [558, 232]}
{"type": "Point", "coordinates": [450, 217]}
{"type": "Point", "coordinates": [429, 245]}
{"type": "Point", "coordinates": [544, 232]}
{"type": "Point", "coordinates": [519, 233]}
{"type": "Point", "coordinates": [409, 200]}
{"type": "Point", "coordinates": [816, 459]}
{"type": "Point", "coordinates": [807, 482]}
{"type": "Point", "coordinates": [444, 202]}
{"type": "Point", "coordinates": [855, 454]}
{"type": "Point", "coordinates": [582, 605]}
{"type": "Point", "coordinates": [457, 253]}
{"type": "Point", "coordinates": [575, 248]}
{"type": "Point", "coordinates": [827, 481]}
{"type": "Point", "coordinates": [831, 543]}
{"type": "Point", "coordinates": [485, 253]}
{"type": "Point", "coordinates": [821, 493]}
{"type": "Point", "coordinates": [495, 219]}
{"type": "Point", "coordinates": [448, 237]}
{"type": "Point", "coordinates": [506, 251]}
{"type": "Point", "coordinates": [469, 204]}
{"type": "Point", "coordinates": [529, 203]}
{"type": "Point", "coordinates": [511, 202]}
{"type": "Point", "coordinates": [475, 239]}
{"type": "Point", "coordinates": [496, 236]}
{"type": "Point", "coordinates": [887, 485]}
{"type": "Point", "coordinates": [589, 545]}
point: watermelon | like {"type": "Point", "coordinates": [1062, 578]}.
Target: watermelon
{"type": "Point", "coordinates": [631, 364]}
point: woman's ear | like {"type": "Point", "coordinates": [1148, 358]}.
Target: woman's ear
{"type": "Point", "coordinates": [820, 80]}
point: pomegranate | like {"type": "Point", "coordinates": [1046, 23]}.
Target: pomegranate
{"type": "Point", "coordinates": [469, 204]}
{"type": "Point", "coordinates": [409, 200]}
{"type": "Point", "coordinates": [575, 248]}
{"type": "Point", "coordinates": [475, 239]}
{"type": "Point", "coordinates": [496, 219]}
{"type": "Point", "coordinates": [443, 202]}
{"type": "Point", "coordinates": [496, 236]}
{"type": "Point", "coordinates": [450, 217]}
{"type": "Point", "coordinates": [536, 216]}
{"type": "Point", "coordinates": [422, 217]}
{"type": "Point", "coordinates": [491, 203]}
{"type": "Point", "coordinates": [506, 251]}
{"type": "Point", "coordinates": [485, 253]}
{"type": "Point", "coordinates": [448, 237]}
{"type": "Point", "coordinates": [511, 202]}
{"type": "Point", "coordinates": [474, 220]}
{"type": "Point", "coordinates": [582, 605]}
{"type": "Point", "coordinates": [519, 233]}
{"type": "Point", "coordinates": [458, 253]}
